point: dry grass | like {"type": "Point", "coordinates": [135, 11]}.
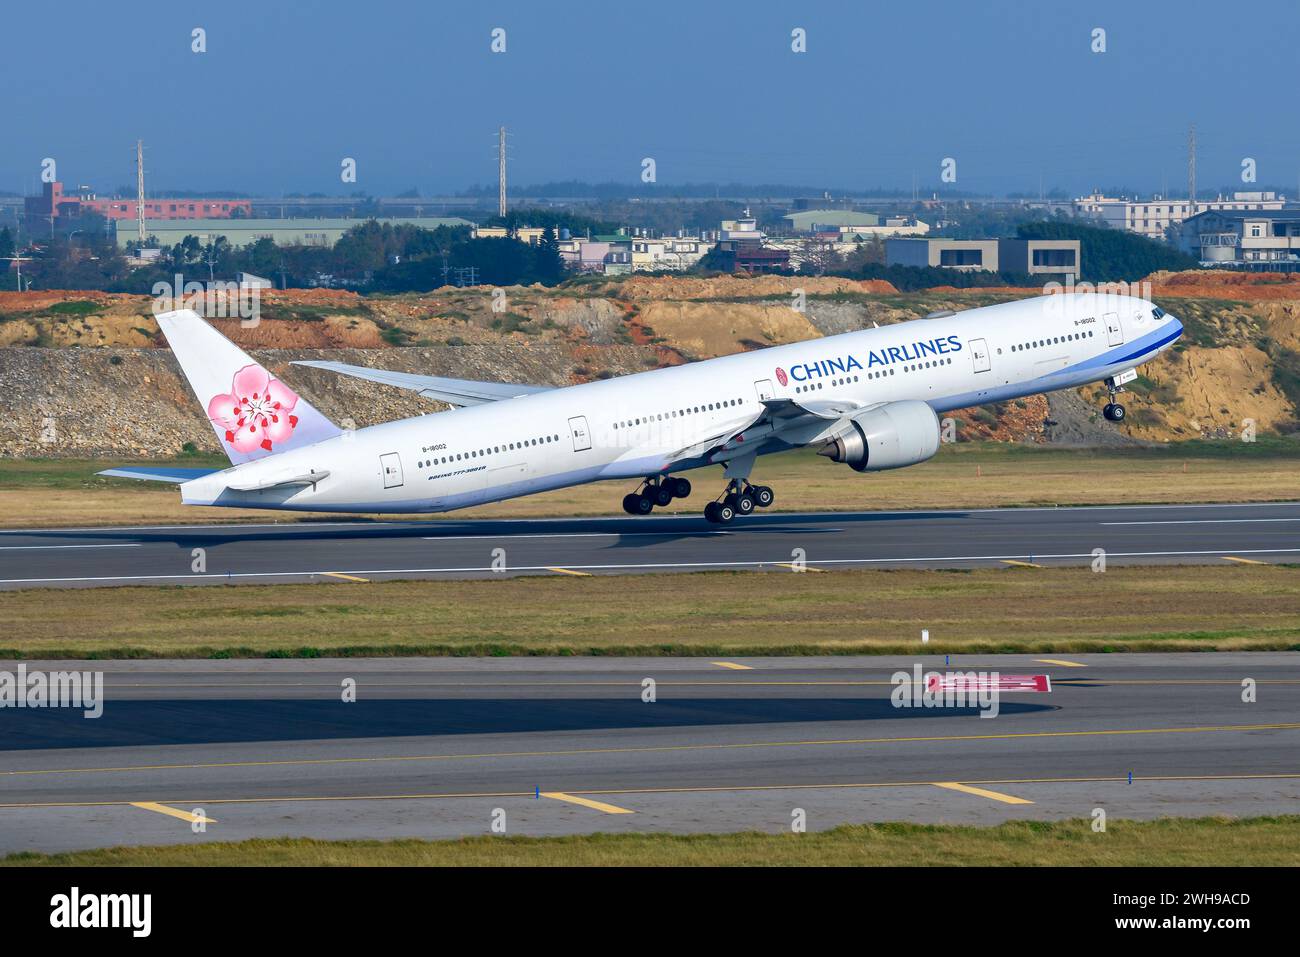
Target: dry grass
{"type": "Point", "coordinates": [1162, 608]}
{"type": "Point", "coordinates": [966, 476]}
{"type": "Point", "coordinates": [1166, 842]}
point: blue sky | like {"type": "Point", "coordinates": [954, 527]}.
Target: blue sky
{"type": "Point", "coordinates": [711, 91]}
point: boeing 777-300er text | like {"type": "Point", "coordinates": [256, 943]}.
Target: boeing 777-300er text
{"type": "Point", "coordinates": [869, 399]}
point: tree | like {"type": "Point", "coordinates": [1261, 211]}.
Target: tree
{"type": "Point", "coordinates": [1112, 255]}
{"type": "Point", "coordinates": [816, 256]}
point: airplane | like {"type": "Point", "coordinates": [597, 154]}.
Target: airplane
{"type": "Point", "coordinates": [869, 399]}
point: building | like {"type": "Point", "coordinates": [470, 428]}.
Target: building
{"type": "Point", "coordinates": [1264, 240]}
{"type": "Point", "coordinates": [53, 201]}
{"type": "Point", "coordinates": [742, 247]}
{"type": "Point", "coordinates": [283, 232]}
{"type": "Point", "coordinates": [1151, 218]}
{"type": "Point", "coordinates": [823, 220]}
{"type": "Point", "coordinates": [1032, 257]}
{"type": "Point", "coordinates": [532, 235]}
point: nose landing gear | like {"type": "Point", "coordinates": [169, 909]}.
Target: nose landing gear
{"type": "Point", "coordinates": [1112, 411]}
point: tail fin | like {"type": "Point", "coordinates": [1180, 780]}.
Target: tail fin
{"type": "Point", "coordinates": [253, 413]}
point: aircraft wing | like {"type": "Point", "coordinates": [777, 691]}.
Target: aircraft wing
{"type": "Point", "coordinates": [452, 391]}
{"type": "Point", "coordinates": [779, 409]}
{"type": "Point", "coordinates": [776, 417]}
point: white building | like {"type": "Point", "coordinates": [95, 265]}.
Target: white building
{"type": "Point", "coordinates": [1151, 218]}
{"type": "Point", "coordinates": [1264, 240]}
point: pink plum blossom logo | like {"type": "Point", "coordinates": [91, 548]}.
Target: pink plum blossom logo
{"type": "Point", "coordinates": [781, 376]}
{"type": "Point", "coordinates": [256, 411]}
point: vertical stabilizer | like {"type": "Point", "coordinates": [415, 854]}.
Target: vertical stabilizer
{"type": "Point", "coordinates": [253, 413]}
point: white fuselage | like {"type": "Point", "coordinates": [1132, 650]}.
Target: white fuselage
{"type": "Point", "coordinates": [653, 422]}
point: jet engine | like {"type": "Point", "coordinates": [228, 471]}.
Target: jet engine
{"type": "Point", "coordinates": [891, 436]}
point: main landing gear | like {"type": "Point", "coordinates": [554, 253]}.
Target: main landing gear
{"type": "Point", "coordinates": [659, 490]}
{"type": "Point", "coordinates": [1113, 411]}
{"type": "Point", "coordinates": [740, 498]}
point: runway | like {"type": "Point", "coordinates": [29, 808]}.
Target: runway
{"type": "Point", "coordinates": [376, 550]}
{"type": "Point", "coordinates": [446, 747]}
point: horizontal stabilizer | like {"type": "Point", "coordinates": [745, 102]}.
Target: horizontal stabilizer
{"type": "Point", "coordinates": [278, 481]}
{"type": "Point", "coordinates": [157, 474]}
{"type": "Point", "coordinates": [451, 391]}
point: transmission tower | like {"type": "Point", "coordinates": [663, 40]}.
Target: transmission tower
{"type": "Point", "coordinates": [501, 172]}
{"type": "Point", "coordinates": [139, 192]}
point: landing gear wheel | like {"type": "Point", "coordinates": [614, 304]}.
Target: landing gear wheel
{"type": "Point", "coordinates": [720, 513]}
{"type": "Point", "coordinates": [630, 504]}
{"type": "Point", "coordinates": [681, 488]}
{"type": "Point", "coordinates": [763, 495]}
{"type": "Point", "coordinates": [743, 503]}
{"type": "Point", "coordinates": [661, 493]}
{"type": "Point", "coordinates": [1113, 412]}
{"type": "Point", "coordinates": [644, 505]}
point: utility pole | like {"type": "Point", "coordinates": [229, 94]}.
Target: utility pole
{"type": "Point", "coordinates": [501, 172]}
{"type": "Point", "coordinates": [139, 193]}
{"type": "Point", "coordinates": [1191, 170]}
{"type": "Point", "coordinates": [18, 259]}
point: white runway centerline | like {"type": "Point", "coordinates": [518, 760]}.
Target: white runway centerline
{"type": "Point", "coordinates": [33, 548]}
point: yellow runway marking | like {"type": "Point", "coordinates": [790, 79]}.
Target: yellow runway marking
{"type": "Point", "coordinates": [1244, 561]}
{"type": "Point", "coordinates": [347, 578]}
{"type": "Point", "coordinates": [722, 789]}
{"type": "Point", "coordinates": [732, 665]}
{"type": "Point", "coordinates": [798, 568]}
{"type": "Point", "coordinates": [1010, 561]}
{"type": "Point", "coordinates": [981, 792]}
{"type": "Point", "coordinates": [586, 802]}
{"type": "Point", "coordinates": [1058, 661]}
{"type": "Point", "coordinates": [653, 749]}
{"type": "Point", "coordinates": [174, 812]}
{"type": "Point", "coordinates": [568, 571]}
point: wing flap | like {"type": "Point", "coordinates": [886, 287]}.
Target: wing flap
{"type": "Point", "coordinates": [452, 391]}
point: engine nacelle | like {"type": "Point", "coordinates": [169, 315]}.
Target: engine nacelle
{"type": "Point", "coordinates": [895, 435]}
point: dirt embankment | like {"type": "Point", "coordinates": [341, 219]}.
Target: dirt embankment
{"type": "Point", "coordinates": [92, 370]}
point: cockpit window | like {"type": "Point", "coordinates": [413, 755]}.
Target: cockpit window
{"type": "Point", "coordinates": [1158, 313]}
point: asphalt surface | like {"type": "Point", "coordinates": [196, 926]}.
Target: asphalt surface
{"type": "Point", "coordinates": [300, 552]}
{"type": "Point", "coordinates": [439, 747]}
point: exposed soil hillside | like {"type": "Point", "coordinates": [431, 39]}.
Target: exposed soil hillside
{"type": "Point", "coordinates": [92, 369]}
